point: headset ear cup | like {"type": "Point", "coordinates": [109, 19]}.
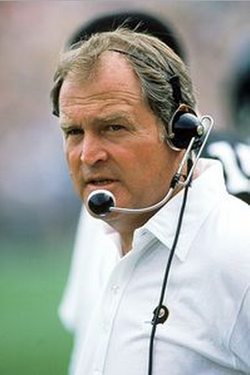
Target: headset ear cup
{"type": "Point", "coordinates": [183, 127]}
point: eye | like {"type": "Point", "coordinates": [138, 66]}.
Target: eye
{"type": "Point", "coordinates": [72, 131]}
{"type": "Point", "coordinates": [115, 128]}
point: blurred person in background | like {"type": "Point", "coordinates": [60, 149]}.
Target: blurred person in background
{"type": "Point", "coordinates": [238, 88]}
{"type": "Point", "coordinates": [240, 91]}
{"type": "Point", "coordinates": [201, 339]}
{"type": "Point", "coordinates": [233, 148]}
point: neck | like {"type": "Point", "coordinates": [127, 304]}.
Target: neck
{"type": "Point", "coordinates": [126, 243]}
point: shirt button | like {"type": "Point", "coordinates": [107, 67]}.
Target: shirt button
{"type": "Point", "coordinates": [115, 289]}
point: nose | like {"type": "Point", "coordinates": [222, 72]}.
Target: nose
{"type": "Point", "coordinates": [92, 150]}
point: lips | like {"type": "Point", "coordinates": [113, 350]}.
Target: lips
{"type": "Point", "coordinates": [100, 182]}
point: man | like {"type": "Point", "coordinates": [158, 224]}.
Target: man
{"type": "Point", "coordinates": [117, 96]}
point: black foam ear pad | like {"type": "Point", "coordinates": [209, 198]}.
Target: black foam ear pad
{"type": "Point", "coordinates": [183, 127]}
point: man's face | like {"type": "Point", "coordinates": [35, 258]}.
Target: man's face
{"type": "Point", "coordinates": [112, 139]}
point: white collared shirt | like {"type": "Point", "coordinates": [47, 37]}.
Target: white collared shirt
{"type": "Point", "coordinates": [110, 299]}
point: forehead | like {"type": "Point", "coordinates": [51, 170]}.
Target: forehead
{"type": "Point", "coordinates": [113, 82]}
{"type": "Point", "coordinates": [113, 65]}
{"type": "Point", "coordinates": [112, 69]}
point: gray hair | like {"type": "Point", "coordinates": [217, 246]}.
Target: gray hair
{"type": "Point", "coordinates": [164, 78]}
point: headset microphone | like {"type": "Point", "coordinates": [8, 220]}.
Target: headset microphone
{"type": "Point", "coordinates": [100, 202]}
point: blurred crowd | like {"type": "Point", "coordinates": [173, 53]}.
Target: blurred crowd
{"type": "Point", "coordinates": [36, 196]}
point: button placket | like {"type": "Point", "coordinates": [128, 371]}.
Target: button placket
{"type": "Point", "coordinates": [111, 300]}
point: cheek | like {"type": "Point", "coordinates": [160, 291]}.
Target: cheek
{"type": "Point", "coordinates": [72, 156]}
{"type": "Point", "coordinates": [155, 166]}
{"type": "Point", "coordinates": [66, 154]}
{"type": "Point", "coordinates": [74, 166]}
{"type": "Point", "coordinates": [141, 165]}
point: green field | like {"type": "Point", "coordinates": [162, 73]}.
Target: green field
{"type": "Point", "coordinates": [32, 339]}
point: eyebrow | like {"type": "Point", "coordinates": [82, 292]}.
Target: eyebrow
{"type": "Point", "coordinates": [121, 116]}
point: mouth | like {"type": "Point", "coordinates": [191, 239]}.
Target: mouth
{"type": "Point", "coordinates": [99, 183]}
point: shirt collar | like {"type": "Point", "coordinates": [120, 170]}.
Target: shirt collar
{"type": "Point", "coordinates": [203, 195]}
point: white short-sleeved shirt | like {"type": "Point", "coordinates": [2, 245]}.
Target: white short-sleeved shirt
{"type": "Point", "coordinates": [109, 300]}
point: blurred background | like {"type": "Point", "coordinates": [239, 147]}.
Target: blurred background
{"type": "Point", "coordinates": [38, 205]}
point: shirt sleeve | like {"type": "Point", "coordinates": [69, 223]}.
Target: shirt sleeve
{"type": "Point", "coordinates": [91, 262]}
{"type": "Point", "coordinates": [69, 304]}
